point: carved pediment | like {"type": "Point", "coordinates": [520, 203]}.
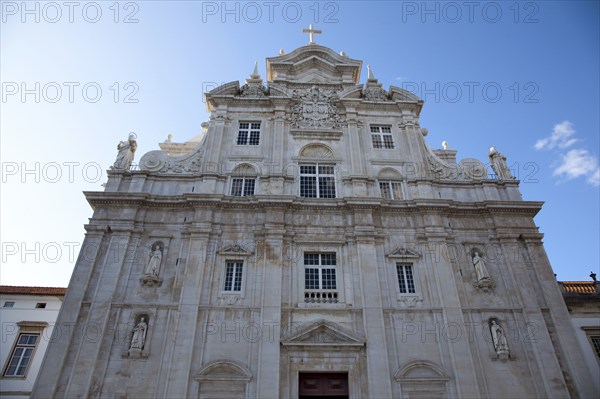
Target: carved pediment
{"type": "Point", "coordinates": [235, 249]}
{"type": "Point", "coordinates": [314, 63]}
{"type": "Point", "coordinates": [404, 253]}
{"type": "Point", "coordinates": [322, 333]}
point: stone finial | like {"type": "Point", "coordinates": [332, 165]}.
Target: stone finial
{"type": "Point", "coordinates": [255, 74]}
{"type": "Point", "coordinates": [343, 53]}
{"type": "Point", "coordinates": [169, 138]}
{"type": "Point", "coordinates": [424, 132]}
{"type": "Point", "coordinates": [493, 150]}
{"type": "Point", "coordinates": [445, 145]}
{"type": "Point", "coordinates": [370, 75]}
{"type": "Point", "coordinates": [281, 51]}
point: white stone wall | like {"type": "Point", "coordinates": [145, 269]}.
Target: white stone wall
{"type": "Point", "coordinates": [25, 310]}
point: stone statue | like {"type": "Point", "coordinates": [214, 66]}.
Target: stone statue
{"type": "Point", "coordinates": [480, 269]}
{"type": "Point", "coordinates": [126, 152]}
{"type": "Point", "coordinates": [154, 262]}
{"type": "Point", "coordinates": [499, 339]}
{"type": "Point", "coordinates": [498, 163]}
{"type": "Point", "coordinates": [139, 335]}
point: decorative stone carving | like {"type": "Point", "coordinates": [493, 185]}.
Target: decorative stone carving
{"type": "Point", "coordinates": [229, 299]}
{"type": "Point", "coordinates": [254, 87]}
{"type": "Point", "coordinates": [126, 153]}
{"type": "Point", "coordinates": [373, 90]}
{"type": "Point", "coordinates": [161, 162]}
{"type": "Point", "coordinates": [316, 151]}
{"type": "Point", "coordinates": [375, 94]}
{"type": "Point", "coordinates": [499, 340]}
{"type": "Point", "coordinates": [498, 163]}
{"type": "Point", "coordinates": [138, 339]}
{"type": "Point", "coordinates": [409, 301]}
{"type": "Point", "coordinates": [480, 269]}
{"type": "Point", "coordinates": [314, 109]}
{"type": "Point", "coordinates": [320, 332]}
{"type": "Point", "coordinates": [152, 270]}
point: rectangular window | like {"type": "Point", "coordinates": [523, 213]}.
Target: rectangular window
{"type": "Point", "coordinates": [249, 133]}
{"type": "Point", "coordinates": [21, 355]}
{"type": "Point", "coordinates": [317, 181]}
{"type": "Point", "coordinates": [8, 304]}
{"type": "Point", "coordinates": [233, 276]}
{"type": "Point", "coordinates": [40, 305]}
{"type": "Point", "coordinates": [390, 190]}
{"type": "Point", "coordinates": [243, 187]}
{"type": "Point", "coordinates": [405, 278]}
{"type": "Point", "coordinates": [319, 271]}
{"type": "Point", "coordinates": [382, 137]}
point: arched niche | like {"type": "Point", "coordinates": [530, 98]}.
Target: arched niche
{"type": "Point", "coordinates": [422, 379]}
{"type": "Point", "coordinates": [245, 169]}
{"type": "Point", "coordinates": [223, 378]}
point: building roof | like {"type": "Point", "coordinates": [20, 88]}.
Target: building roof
{"type": "Point", "coordinates": [579, 287]}
{"type": "Point", "coordinates": [22, 290]}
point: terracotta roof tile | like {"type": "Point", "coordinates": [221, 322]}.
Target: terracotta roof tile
{"type": "Point", "coordinates": [21, 290]}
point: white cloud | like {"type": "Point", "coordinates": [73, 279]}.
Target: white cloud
{"type": "Point", "coordinates": [576, 163]}
{"type": "Point", "coordinates": [594, 178]}
{"type": "Point", "coordinates": [560, 137]}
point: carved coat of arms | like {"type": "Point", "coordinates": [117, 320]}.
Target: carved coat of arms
{"type": "Point", "coordinates": [314, 109]}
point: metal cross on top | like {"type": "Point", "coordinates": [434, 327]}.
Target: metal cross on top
{"type": "Point", "coordinates": [311, 33]}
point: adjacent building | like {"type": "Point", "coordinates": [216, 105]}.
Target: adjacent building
{"type": "Point", "coordinates": [28, 315]}
{"type": "Point", "coordinates": [313, 244]}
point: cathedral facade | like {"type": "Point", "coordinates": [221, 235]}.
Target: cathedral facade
{"type": "Point", "coordinates": [312, 244]}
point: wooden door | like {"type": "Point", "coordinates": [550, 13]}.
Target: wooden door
{"type": "Point", "coordinates": [323, 385]}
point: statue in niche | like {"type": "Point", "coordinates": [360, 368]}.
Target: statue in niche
{"type": "Point", "coordinates": [126, 153]}
{"type": "Point", "coordinates": [154, 262]}
{"type": "Point", "coordinates": [480, 269]}
{"type": "Point", "coordinates": [139, 335]}
{"type": "Point", "coordinates": [498, 163]}
{"type": "Point", "coordinates": [499, 338]}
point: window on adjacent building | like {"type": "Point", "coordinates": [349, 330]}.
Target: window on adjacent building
{"type": "Point", "coordinates": [40, 305]}
{"type": "Point", "coordinates": [243, 186]}
{"type": "Point", "coordinates": [595, 340]}
{"type": "Point", "coordinates": [249, 133]}
{"type": "Point", "coordinates": [390, 190]}
{"type": "Point", "coordinates": [8, 304]}
{"type": "Point", "coordinates": [406, 280]}
{"type": "Point", "coordinates": [317, 180]}
{"type": "Point", "coordinates": [233, 275]}
{"type": "Point", "coordinates": [21, 355]}
{"type": "Point", "coordinates": [382, 137]}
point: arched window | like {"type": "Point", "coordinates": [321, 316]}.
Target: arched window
{"type": "Point", "coordinates": [243, 181]}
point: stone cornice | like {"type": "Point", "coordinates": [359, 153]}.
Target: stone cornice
{"type": "Point", "coordinates": [99, 199]}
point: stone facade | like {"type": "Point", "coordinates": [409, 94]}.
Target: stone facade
{"type": "Point", "coordinates": [314, 231]}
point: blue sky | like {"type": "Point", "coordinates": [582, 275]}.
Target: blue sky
{"type": "Point", "coordinates": [522, 76]}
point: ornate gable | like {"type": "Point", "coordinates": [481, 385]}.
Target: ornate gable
{"type": "Point", "coordinates": [314, 64]}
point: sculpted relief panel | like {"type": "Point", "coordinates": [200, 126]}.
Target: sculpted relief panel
{"type": "Point", "coordinates": [314, 109]}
